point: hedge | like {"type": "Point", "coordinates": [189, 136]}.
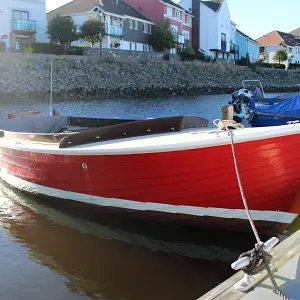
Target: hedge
{"type": "Point", "coordinates": [279, 66]}
{"type": "Point", "coordinates": [75, 50]}
{"type": "Point", "coordinates": [267, 65]}
{"type": "Point", "coordinates": [264, 65]}
{"type": "Point", "coordinates": [294, 66]}
{"type": "Point", "coordinates": [46, 48]}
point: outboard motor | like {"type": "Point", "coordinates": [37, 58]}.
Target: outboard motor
{"type": "Point", "coordinates": [240, 101]}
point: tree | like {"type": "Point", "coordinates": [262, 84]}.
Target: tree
{"type": "Point", "coordinates": [62, 30]}
{"type": "Point", "coordinates": [163, 37]}
{"type": "Point", "coordinates": [92, 30]}
{"type": "Point", "coordinates": [280, 56]}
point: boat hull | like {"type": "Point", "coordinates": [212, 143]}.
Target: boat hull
{"type": "Point", "coordinates": [190, 186]}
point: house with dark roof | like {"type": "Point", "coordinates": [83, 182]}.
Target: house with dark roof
{"type": "Point", "coordinates": [247, 46]}
{"type": "Point", "coordinates": [126, 27]}
{"type": "Point", "coordinates": [271, 42]}
{"type": "Point", "coordinates": [179, 18]}
{"type": "Point", "coordinates": [213, 31]}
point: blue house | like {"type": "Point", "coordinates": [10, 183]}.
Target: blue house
{"type": "Point", "coordinates": [247, 46]}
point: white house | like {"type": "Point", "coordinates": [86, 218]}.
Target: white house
{"type": "Point", "coordinates": [125, 27]}
{"type": "Point", "coordinates": [22, 21]}
{"type": "Point", "coordinates": [212, 29]}
{"type": "Point", "coordinates": [271, 42]}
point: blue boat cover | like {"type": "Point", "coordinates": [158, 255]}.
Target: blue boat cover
{"type": "Point", "coordinates": [290, 107]}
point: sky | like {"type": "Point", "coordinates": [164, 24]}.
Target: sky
{"type": "Point", "coordinates": [253, 17]}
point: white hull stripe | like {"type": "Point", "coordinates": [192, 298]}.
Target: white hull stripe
{"type": "Point", "coordinates": [270, 216]}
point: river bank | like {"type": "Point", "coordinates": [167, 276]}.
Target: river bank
{"type": "Point", "coordinates": [26, 79]}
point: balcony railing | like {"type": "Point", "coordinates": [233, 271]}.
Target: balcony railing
{"type": "Point", "coordinates": [24, 25]}
{"type": "Point", "coordinates": [234, 48]}
{"type": "Point", "coordinates": [113, 30]}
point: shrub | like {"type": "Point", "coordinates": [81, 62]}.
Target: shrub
{"type": "Point", "coordinates": [28, 49]}
{"type": "Point", "coordinates": [187, 53]}
{"type": "Point", "coordinates": [201, 57]}
{"type": "Point", "coordinates": [46, 48]}
{"type": "Point", "coordinates": [2, 46]}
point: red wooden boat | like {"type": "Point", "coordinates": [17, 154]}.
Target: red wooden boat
{"type": "Point", "coordinates": [171, 168]}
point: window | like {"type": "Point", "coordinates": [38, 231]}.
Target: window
{"type": "Point", "coordinates": [145, 29]}
{"type": "Point", "coordinates": [132, 46]}
{"type": "Point", "coordinates": [186, 35]}
{"type": "Point", "coordinates": [174, 29]}
{"type": "Point", "coordinates": [189, 20]}
{"type": "Point", "coordinates": [145, 48]}
{"type": "Point", "coordinates": [223, 42]}
{"type": "Point", "coordinates": [169, 11]}
{"type": "Point", "coordinates": [177, 14]}
{"type": "Point", "coordinates": [136, 25]}
{"type": "Point", "coordinates": [130, 23]}
{"type": "Point", "coordinates": [20, 15]}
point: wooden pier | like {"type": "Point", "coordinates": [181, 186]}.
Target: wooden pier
{"type": "Point", "coordinates": [286, 271]}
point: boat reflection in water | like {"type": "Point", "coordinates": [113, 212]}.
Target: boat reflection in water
{"type": "Point", "coordinates": [117, 259]}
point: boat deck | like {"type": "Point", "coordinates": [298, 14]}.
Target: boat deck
{"type": "Point", "coordinates": [286, 266]}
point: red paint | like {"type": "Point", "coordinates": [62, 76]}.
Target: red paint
{"type": "Point", "coordinates": [155, 10]}
{"type": "Point", "coordinates": [201, 177]}
{"type": "Point", "coordinates": [152, 9]}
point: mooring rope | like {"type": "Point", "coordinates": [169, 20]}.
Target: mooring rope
{"type": "Point", "coordinates": [257, 254]}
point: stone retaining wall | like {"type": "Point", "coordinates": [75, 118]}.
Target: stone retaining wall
{"type": "Point", "coordinates": [26, 78]}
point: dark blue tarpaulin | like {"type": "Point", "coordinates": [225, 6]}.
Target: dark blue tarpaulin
{"type": "Point", "coordinates": [290, 107]}
{"type": "Point", "coordinates": [277, 114]}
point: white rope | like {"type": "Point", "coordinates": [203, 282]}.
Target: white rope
{"type": "Point", "coordinates": [242, 189]}
{"type": "Point", "coordinates": [277, 289]}
{"type": "Point", "coordinates": [225, 124]}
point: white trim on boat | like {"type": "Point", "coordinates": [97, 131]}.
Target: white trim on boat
{"type": "Point", "coordinates": [185, 140]}
{"type": "Point", "coordinates": [270, 216]}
